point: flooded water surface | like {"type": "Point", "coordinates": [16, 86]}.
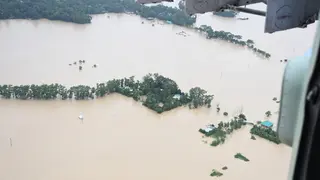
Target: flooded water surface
{"type": "Point", "coordinates": [119, 138]}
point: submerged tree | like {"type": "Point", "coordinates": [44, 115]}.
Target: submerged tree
{"type": "Point", "coordinates": [156, 92]}
{"type": "Point", "coordinates": [199, 97]}
{"type": "Point", "coordinates": [268, 114]}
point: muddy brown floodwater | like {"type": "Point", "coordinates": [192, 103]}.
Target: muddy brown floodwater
{"type": "Point", "coordinates": [121, 139]}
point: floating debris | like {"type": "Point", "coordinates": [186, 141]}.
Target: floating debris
{"type": "Point", "coordinates": [94, 66]}
{"type": "Point", "coordinates": [70, 64]}
{"type": "Point", "coordinates": [80, 68]}
{"type": "Point", "coordinates": [81, 117]}
{"type": "Point", "coordinates": [243, 18]}
{"type": "Point", "coordinates": [152, 24]}
{"type": "Point", "coordinates": [182, 33]}
{"type": "Point", "coordinates": [75, 63]}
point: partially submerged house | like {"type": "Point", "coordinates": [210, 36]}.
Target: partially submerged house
{"type": "Point", "coordinates": [208, 128]}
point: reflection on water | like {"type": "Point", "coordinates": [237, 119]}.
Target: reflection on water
{"type": "Point", "coordinates": [119, 138]}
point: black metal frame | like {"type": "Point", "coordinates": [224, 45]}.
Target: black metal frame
{"type": "Point", "coordinates": [308, 157]}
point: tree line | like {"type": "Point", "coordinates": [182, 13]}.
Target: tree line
{"type": "Point", "coordinates": [78, 11]}
{"type": "Point", "coordinates": [232, 38]}
{"type": "Point", "coordinates": [241, 157]}
{"type": "Point", "coordinates": [266, 133]}
{"type": "Point", "coordinates": [155, 91]}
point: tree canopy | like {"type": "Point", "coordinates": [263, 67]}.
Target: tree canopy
{"type": "Point", "coordinates": [78, 11]}
{"type": "Point", "coordinates": [266, 133]}
{"type": "Point", "coordinates": [155, 91]}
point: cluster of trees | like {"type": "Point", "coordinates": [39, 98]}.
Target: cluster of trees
{"type": "Point", "coordinates": [266, 133]}
{"type": "Point", "coordinates": [225, 128]}
{"type": "Point", "coordinates": [78, 11]}
{"type": "Point", "coordinates": [241, 157]}
{"type": "Point", "coordinates": [199, 98]}
{"type": "Point", "coordinates": [215, 173]}
{"type": "Point", "coordinates": [229, 37]}
{"type": "Point", "coordinates": [46, 92]}
{"type": "Point", "coordinates": [154, 91]}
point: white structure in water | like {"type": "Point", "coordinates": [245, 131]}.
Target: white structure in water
{"type": "Point", "coordinates": [81, 116]}
{"type": "Point", "coordinates": [208, 128]}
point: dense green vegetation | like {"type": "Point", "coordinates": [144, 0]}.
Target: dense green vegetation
{"type": "Point", "coordinates": [266, 133]}
{"type": "Point", "coordinates": [154, 91]}
{"type": "Point", "coordinates": [226, 13]}
{"type": "Point", "coordinates": [241, 157]}
{"type": "Point", "coordinates": [219, 134]}
{"type": "Point", "coordinates": [78, 11]}
{"type": "Point", "coordinates": [216, 173]}
{"type": "Point", "coordinates": [235, 39]}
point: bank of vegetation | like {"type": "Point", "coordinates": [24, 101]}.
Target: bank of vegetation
{"type": "Point", "coordinates": [232, 38]}
{"type": "Point", "coordinates": [241, 157]}
{"type": "Point", "coordinates": [220, 133]}
{"type": "Point", "coordinates": [155, 91]}
{"type": "Point", "coordinates": [79, 11]}
{"type": "Point", "coordinates": [266, 133]}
